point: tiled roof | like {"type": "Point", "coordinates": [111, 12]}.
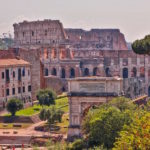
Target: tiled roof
{"type": "Point", "coordinates": [13, 62]}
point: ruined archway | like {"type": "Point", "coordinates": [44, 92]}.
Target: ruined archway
{"type": "Point", "coordinates": [54, 72]}
{"type": "Point", "coordinates": [72, 73]}
{"type": "Point", "coordinates": [63, 73]}
{"type": "Point", "coordinates": [95, 70]}
{"type": "Point", "coordinates": [86, 72]}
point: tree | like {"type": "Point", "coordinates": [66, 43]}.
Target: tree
{"type": "Point", "coordinates": [142, 46]}
{"type": "Point", "coordinates": [14, 105]}
{"type": "Point", "coordinates": [101, 126]}
{"type": "Point", "coordinates": [46, 97]}
{"type": "Point", "coordinates": [136, 135]}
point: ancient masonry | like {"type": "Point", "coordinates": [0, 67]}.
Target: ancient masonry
{"type": "Point", "coordinates": [68, 53]}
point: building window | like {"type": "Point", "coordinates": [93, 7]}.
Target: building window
{"type": "Point", "coordinates": [45, 32]}
{"type": "Point", "coordinates": [7, 92]}
{"type": "Point", "coordinates": [7, 75]}
{"type": "Point", "coordinates": [23, 89]}
{"type": "Point", "coordinates": [23, 72]}
{"type": "Point", "coordinates": [125, 73]}
{"type": "Point", "coordinates": [23, 33]}
{"type": "Point", "coordinates": [72, 73]}
{"type": "Point", "coordinates": [32, 33]}
{"type": "Point", "coordinates": [13, 74]}
{"type": "Point", "coordinates": [63, 73]}
{"type": "Point", "coordinates": [46, 72]}
{"type": "Point", "coordinates": [95, 71]}
{"type": "Point", "coordinates": [86, 72]}
{"type": "Point", "coordinates": [54, 72]}
{"type": "Point", "coordinates": [29, 88]}
{"type": "Point", "coordinates": [19, 74]}
{"type": "Point", "coordinates": [3, 75]}
{"type": "Point", "coordinates": [19, 90]}
{"type": "Point", "coordinates": [13, 91]}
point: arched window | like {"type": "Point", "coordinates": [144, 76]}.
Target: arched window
{"type": "Point", "coordinates": [134, 72]}
{"type": "Point", "coordinates": [95, 71]}
{"type": "Point", "coordinates": [54, 72]}
{"type": "Point", "coordinates": [86, 72]}
{"type": "Point", "coordinates": [63, 73]}
{"type": "Point", "coordinates": [72, 73]}
{"type": "Point", "coordinates": [46, 72]}
{"type": "Point", "coordinates": [125, 73]}
{"type": "Point", "coordinates": [107, 72]}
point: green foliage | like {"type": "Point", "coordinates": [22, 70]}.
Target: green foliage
{"type": "Point", "coordinates": [51, 115]}
{"type": "Point", "coordinates": [14, 105]}
{"type": "Point", "coordinates": [46, 97]}
{"type": "Point", "coordinates": [101, 126]}
{"type": "Point", "coordinates": [142, 46]}
{"type": "Point", "coordinates": [136, 135]}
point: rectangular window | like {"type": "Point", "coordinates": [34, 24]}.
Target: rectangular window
{"type": "Point", "coordinates": [3, 75]}
{"type": "Point", "coordinates": [7, 92]}
{"type": "Point", "coordinates": [19, 74]}
{"type": "Point", "coordinates": [23, 89]}
{"type": "Point", "coordinates": [23, 72]}
{"type": "Point", "coordinates": [29, 88]}
{"type": "Point", "coordinates": [13, 91]}
{"type": "Point", "coordinates": [19, 90]}
{"type": "Point", "coordinates": [7, 75]}
{"type": "Point", "coordinates": [13, 74]}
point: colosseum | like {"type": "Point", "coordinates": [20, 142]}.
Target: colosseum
{"type": "Point", "coordinates": [68, 53]}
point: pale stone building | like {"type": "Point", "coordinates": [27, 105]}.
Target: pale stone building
{"type": "Point", "coordinates": [15, 80]}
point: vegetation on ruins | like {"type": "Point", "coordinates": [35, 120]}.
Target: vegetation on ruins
{"type": "Point", "coordinates": [142, 46]}
{"type": "Point", "coordinates": [117, 125]}
{"type": "Point", "coordinates": [51, 115]}
{"type": "Point", "coordinates": [14, 105]}
{"type": "Point", "coordinates": [46, 97]}
{"type": "Point", "coordinates": [136, 135]}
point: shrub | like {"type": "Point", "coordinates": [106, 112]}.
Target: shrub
{"type": "Point", "coordinates": [14, 105]}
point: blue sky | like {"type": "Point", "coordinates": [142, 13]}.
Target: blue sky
{"type": "Point", "coordinates": [132, 17]}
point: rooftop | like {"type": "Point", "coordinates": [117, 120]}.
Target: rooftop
{"type": "Point", "coordinates": [13, 62]}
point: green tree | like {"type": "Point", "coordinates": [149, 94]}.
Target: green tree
{"type": "Point", "coordinates": [136, 135]}
{"type": "Point", "coordinates": [46, 97]}
{"type": "Point", "coordinates": [142, 46]}
{"type": "Point", "coordinates": [14, 105]}
{"type": "Point", "coordinates": [101, 126]}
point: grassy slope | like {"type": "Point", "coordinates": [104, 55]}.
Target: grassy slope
{"type": "Point", "coordinates": [61, 103]}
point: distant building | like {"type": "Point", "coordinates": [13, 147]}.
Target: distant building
{"type": "Point", "coordinates": [15, 80]}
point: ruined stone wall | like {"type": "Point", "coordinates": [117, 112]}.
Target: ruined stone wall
{"type": "Point", "coordinates": [104, 39]}
{"type": "Point", "coordinates": [7, 54]}
{"type": "Point", "coordinates": [38, 33]}
{"type": "Point", "coordinates": [33, 57]}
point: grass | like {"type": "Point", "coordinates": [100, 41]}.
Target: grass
{"type": "Point", "coordinates": [60, 103]}
{"type": "Point", "coordinates": [10, 126]}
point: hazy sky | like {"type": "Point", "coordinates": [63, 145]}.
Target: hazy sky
{"type": "Point", "coordinates": [132, 17]}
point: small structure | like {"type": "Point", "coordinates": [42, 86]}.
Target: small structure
{"type": "Point", "coordinates": [87, 92]}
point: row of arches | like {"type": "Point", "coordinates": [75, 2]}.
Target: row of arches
{"type": "Point", "coordinates": [86, 72]}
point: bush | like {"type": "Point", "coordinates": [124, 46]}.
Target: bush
{"type": "Point", "coordinates": [14, 105]}
{"type": "Point", "coordinates": [46, 97]}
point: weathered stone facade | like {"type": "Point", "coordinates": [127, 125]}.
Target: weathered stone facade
{"type": "Point", "coordinates": [69, 53]}
{"type": "Point", "coordinates": [87, 92]}
{"type": "Point", "coordinates": [15, 80]}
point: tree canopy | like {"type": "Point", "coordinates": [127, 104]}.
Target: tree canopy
{"type": "Point", "coordinates": [46, 97]}
{"type": "Point", "coordinates": [142, 46]}
{"type": "Point", "coordinates": [14, 105]}
{"type": "Point", "coordinates": [101, 126]}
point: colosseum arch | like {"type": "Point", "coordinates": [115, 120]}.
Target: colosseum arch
{"type": "Point", "coordinates": [72, 73]}
{"type": "Point", "coordinates": [63, 73]}
{"type": "Point", "coordinates": [86, 72]}
{"type": "Point", "coordinates": [54, 72]}
{"type": "Point", "coordinates": [46, 72]}
{"type": "Point", "coordinates": [95, 71]}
